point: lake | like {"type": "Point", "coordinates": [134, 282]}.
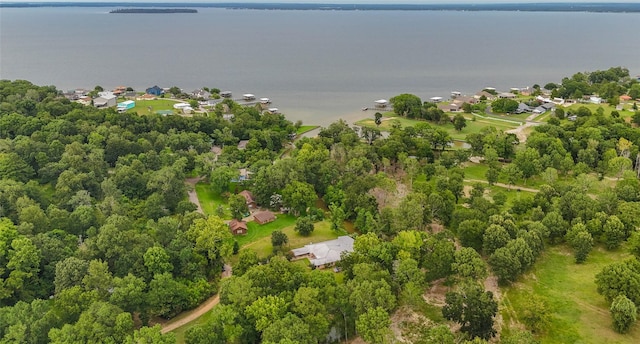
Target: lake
{"type": "Point", "coordinates": [316, 66]}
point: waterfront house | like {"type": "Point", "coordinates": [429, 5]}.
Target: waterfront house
{"type": "Point", "coordinates": [486, 94]}
{"type": "Point", "coordinates": [273, 110]}
{"type": "Point", "coordinates": [522, 108]}
{"type": "Point", "coordinates": [225, 94]}
{"type": "Point", "coordinates": [85, 100]}
{"type": "Point", "coordinates": [200, 94]}
{"type": "Point", "coordinates": [248, 97]}
{"type": "Point", "coordinates": [155, 90]}
{"type": "Point", "coordinates": [326, 253]}
{"type": "Point", "coordinates": [105, 100]}
{"type": "Point", "coordinates": [506, 95]}
{"type": "Point", "coordinates": [595, 100]}
{"type": "Point", "coordinates": [238, 227]}
{"type": "Point", "coordinates": [265, 100]}
{"type": "Point", "coordinates": [264, 217]}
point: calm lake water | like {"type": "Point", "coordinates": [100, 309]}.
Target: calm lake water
{"type": "Point", "coordinates": [316, 66]}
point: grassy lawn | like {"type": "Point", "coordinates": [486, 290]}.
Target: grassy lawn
{"type": "Point", "coordinates": [578, 314]}
{"type": "Point", "coordinates": [262, 245]}
{"type": "Point", "coordinates": [142, 106]}
{"type": "Point", "coordinates": [257, 231]}
{"type": "Point", "coordinates": [306, 128]}
{"type": "Point", "coordinates": [181, 331]}
{"type": "Point", "coordinates": [594, 107]}
{"type": "Point", "coordinates": [472, 126]}
{"type": "Point", "coordinates": [210, 201]}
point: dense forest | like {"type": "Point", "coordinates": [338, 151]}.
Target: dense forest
{"type": "Point", "coordinates": [98, 240]}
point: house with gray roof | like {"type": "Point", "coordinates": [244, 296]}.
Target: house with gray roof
{"type": "Point", "coordinates": [325, 253]}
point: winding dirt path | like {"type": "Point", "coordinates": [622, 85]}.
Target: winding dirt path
{"type": "Point", "coordinates": [502, 185]}
{"type": "Point", "coordinates": [187, 317]}
{"type": "Point", "coordinates": [193, 196]}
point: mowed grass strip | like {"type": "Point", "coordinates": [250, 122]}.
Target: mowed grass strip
{"type": "Point", "coordinates": [578, 314]}
{"type": "Point", "coordinates": [257, 231]}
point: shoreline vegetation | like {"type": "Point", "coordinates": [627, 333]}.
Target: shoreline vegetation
{"type": "Point", "coordinates": [529, 7]}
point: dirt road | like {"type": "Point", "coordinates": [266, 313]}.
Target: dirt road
{"type": "Point", "coordinates": [193, 196]}
{"type": "Point", "coordinates": [192, 315]}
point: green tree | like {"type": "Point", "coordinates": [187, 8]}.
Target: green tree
{"type": "Point", "coordinates": [624, 313]}
{"type": "Point", "coordinates": [471, 232]}
{"type": "Point", "coordinates": [157, 260]}
{"type": "Point", "coordinates": [150, 335]}
{"type": "Point", "coordinates": [101, 323]}
{"type": "Point", "coordinates": [469, 264]}
{"type": "Point", "coordinates": [504, 105]}
{"type": "Point", "coordinates": [278, 239]}
{"type": "Point", "coordinates": [512, 173]}
{"type": "Point", "coordinates": [473, 308]}
{"type": "Point", "coordinates": [304, 226]}
{"type": "Point", "coordinates": [212, 239]}
{"type": "Point", "coordinates": [407, 105]}
{"type": "Point", "coordinates": [528, 161]}
{"type": "Point", "coordinates": [613, 232]}
{"type": "Point", "coordinates": [238, 206]}
{"type": "Point", "coordinates": [69, 273]}
{"type": "Point", "coordinates": [246, 259]}
{"type": "Point", "coordinates": [459, 122]}
{"type": "Point", "coordinates": [299, 196]}
{"type": "Point", "coordinates": [535, 313]}
{"type": "Point", "coordinates": [337, 216]}
{"type": "Point", "coordinates": [374, 326]}
{"type": "Point", "coordinates": [377, 118]}
{"type": "Point", "coordinates": [266, 310]}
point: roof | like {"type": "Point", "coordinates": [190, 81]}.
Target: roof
{"type": "Point", "coordinates": [326, 252]}
{"type": "Point", "coordinates": [264, 216]}
{"type": "Point", "coordinates": [242, 144]}
{"type": "Point", "coordinates": [248, 196]}
{"type": "Point", "coordinates": [381, 101]}
{"type": "Point", "coordinates": [234, 225]}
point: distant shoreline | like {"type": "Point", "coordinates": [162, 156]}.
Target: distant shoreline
{"type": "Point", "coordinates": [602, 7]}
{"type": "Point", "coordinates": [153, 10]}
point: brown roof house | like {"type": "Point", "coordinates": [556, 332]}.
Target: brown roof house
{"type": "Point", "coordinates": [248, 197]}
{"type": "Point", "coordinates": [264, 217]}
{"type": "Point", "coordinates": [238, 227]}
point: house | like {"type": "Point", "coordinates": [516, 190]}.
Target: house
{"type": "Point", "coordinates": [436, 99]}
{"type": "Point", "coordinates": [625, 98]}
{"type": "Point", "coordinates": [548, 106]}
{"type": "Point", "coordinates": [455, 94]}
{"type": "Point", "coordinates": [273, 111]}
{"type": "Point", "coordinates": [105, 100]}
{"type": "Point", "coordinates": [486, 94]}
{"type": "Point", "coordinates": [155, 90]}
{"type": "Point", "coordinates": [244, 174]}
{"type": "Point", "coordinates": [453, 107]}
{"type": "Point", "coordinates": [130, 95]}
{"type": "Point", "coordinates": [180, 106]}
{"type": "Point", "coordinates": [248, 97]}
{"type": "Point", "coordinates": [539, 110]}
{"type": "Point", "coordinates": [119, 90]}
{"type": "Point", "coordinates": [325, 253]}
{"type": "Point", "coordinates": [225, 94]}
{"type": "Point", "coordinates": [200, 94]}
{"type": "Point", "coordinates": [595, 100]}
{"type": "Point", "coordinates": [85, 100]}
{"type": "Point", "coordinates": [264, 217]}
{"type": "Point", "coordinates": [248, 197]}
{"type": "Point", "coordinates": [506, 95]}
{"type": "Point", "coordinates": [238, 227]}
{"type": "Point", "coordinates": [522, 108]}
{"type": "Point", "coordinates": [265, 101]}
{"type": "Point", "coordinates": [126, 105]}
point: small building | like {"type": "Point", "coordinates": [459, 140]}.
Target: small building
{"type": "Point", "coordinates": [436, 99]}
{"type": "Point", "coordinates": [265, 101]}
{"type": "Point", "coordinates": [238, 227]}
{"type": "Point", "coordinates": [326, 253]}
{"type": "Point", "coordinates": [248, 97]}
{"type": "Point", "coordinates": [248, 197]}
{"type": "Point", "coordinates": [105, 101]}
{"type": "Point", "coordinates": [625, 98]}
{"type": "Point", "coordinates": [453, 107]}
{"type": "Point", "coordinates": [225, 94]}
{"type": "Point", "coordinates": [126, 105]}
{"type": "Point", "coordinates": [155, 90]}
{"type": "Point", "coordinates": [264, 217]}
{"type": "Point", "coordinates": [595, 100]}
{"type": "Point", "coordinates": [273, 110]}
{"type": "Point", "coordinates": [381, 103]}
{"type": "Point", "coordinates": [85, 100]}
{"type": "Point", "coordinates": [455, 94]}
{"type": "Point", "coordinates": [506, 95]}
{"type": "Point", "coordinates": [485, 94]}
{"type": "Point", "coordinates": [548, 106]}
{"type": "Point", "coordinates": [180, 106]}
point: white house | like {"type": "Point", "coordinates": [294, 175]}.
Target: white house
{"type": "Point", "coordinates": [381, 103]}
{"type": "Point", "coordinates": [325, 253]}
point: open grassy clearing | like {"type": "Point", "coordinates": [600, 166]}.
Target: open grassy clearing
{"type": "Point", "coordinates": [578, 314]}
{"type": "Point", "coordinates": [472, 126]}
{"type": "Point", "coordinates": [606, 107]}
{"type": "Point", "coordinates": [209, 201]}
{"type": "Point", "coordinates": [257, 231]}
{"type": "Point", "coordinates": [142, 106]}
{"type": "Point", "coordinates": [322, 232]}
{"type": "Point", "coordinates": [306, 128]}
